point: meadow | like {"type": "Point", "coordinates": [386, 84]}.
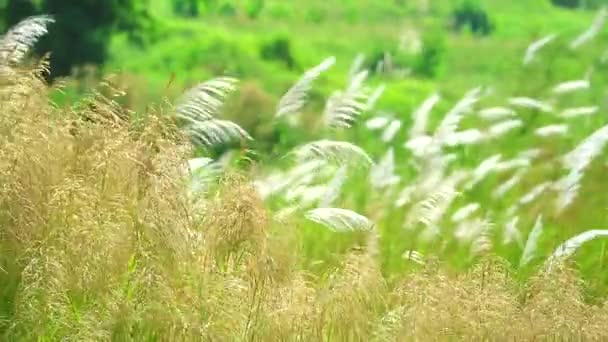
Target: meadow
{"type": "Point", "coordinates": [243, 180]}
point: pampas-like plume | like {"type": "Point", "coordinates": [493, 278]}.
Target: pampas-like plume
{"type": "Point", "coordinates": [571, 86]}
{"type": "Point", "coordinates": [496, 113]}
{"type": "Point", "coordinates": [332, 191]}
{"type": "Point", "coordinates": [587, 150]}
{"type": "Point", "coordinates": [198, 163]}
{"type": "Point", "coordinates": [569, 247]}
{"type": "Point", "coordinates": [551, 130]}
{"type": "Point", "coordinates": [421, 116]}
{"type": "Point", "coordinates": [465, 212]}
{"type": "Point", "coordinates": [532, 242]}
{"type": "Point", "coordinates": [377, 122]}
{"type": "Point", "coordinates": [452, 119]}
{"type": "Point", "coordinates": [216, 132]}
{"type": "Point", "coordinates": [534, 193]}
{"type": "Point", "coordinates": [567, 188]}
{"type": "Point", "coordinates": [511, 233]}
{"type": "Point", "coordinates": [414, 256]}
{"type": "Point", "coordinates": [198, 108]}
{"type": "Point", "coordinates": [295, 98]}
{"type": "Point", "coordinates": [570, 113]}
{"type": "Point", "coordinates": [340, 220]}
{"type": "Point", "coordinates": [382, 174]}
{"type": "Point", "coordinates": [467, 137]}
{"type": "Point", "coordinates": [205, 101]}
{"type": "Point", "coordinates": [341, 152]}
{"type": "Point", "coordinates": [19, 39]}
{"type": "Point", "coordinates": [527, 102]}
{"type": "Point", "coordinates": [483, 170]}
{"type": "Point", "coordinates": [533, 48]}
{"type": "Point", "coordinates": [391, 131]}
{"type": "Point", "coordinates": [508, 184]}
{"type": "Point", "coordinates": [504, 127]}
{"type": "Point", "coordinates": [343, 108]}
{"type": "Point", "coordinates": [592, 31]}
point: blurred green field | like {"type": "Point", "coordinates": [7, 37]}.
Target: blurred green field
{"type": "Point", "coordinates": [186, 51]}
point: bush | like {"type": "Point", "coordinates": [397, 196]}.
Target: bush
{"type": "Point", "coordinates": [254, 8]}
{"type": "Point", "coordinates": [278, 49]}
{"type": "Point", "coordinates": [186, 8]}
{"type": "Point", "coordinates": [429, 61]}
{"type": "Point", "coordinates": [471, 15]}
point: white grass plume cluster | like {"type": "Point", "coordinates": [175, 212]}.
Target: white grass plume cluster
{"type": "Point", "coordinates": [199, 108]}
{"type": "Point", "coordinates": [18, 41]}
{"type": "Point", "coordinates": [340, 220]}
{"type": "Point", "coordinates": [296, 97]}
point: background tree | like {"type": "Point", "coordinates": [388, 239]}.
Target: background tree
{"type": "Point", "coordinates": [83, 28]}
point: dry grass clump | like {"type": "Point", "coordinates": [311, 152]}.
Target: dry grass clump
{"type": "Point", "coordinates": [100, 240]}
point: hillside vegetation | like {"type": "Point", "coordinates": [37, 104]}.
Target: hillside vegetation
{"type": "Point", "coordinates": [306, 171]}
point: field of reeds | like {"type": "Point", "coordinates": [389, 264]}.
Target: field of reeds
{"type": "Point", "coordinates": [483, 222]}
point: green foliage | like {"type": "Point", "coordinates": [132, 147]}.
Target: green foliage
{"type": "Point", "coordinates": [83, 28]}
{"type": "Point", "coordinates": [254, 8]}
{"type": "Point", "coordinates": [278, 49]}
{"type": "Point", "coordinates": [429, 62]}
{"type": "Point", "coordinates": [469, 14]}
{"type": "Point", "coordinates": [186, 8]}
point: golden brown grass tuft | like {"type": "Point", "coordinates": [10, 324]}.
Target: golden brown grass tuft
{"type": "Point", "coordinates": [99, 240]}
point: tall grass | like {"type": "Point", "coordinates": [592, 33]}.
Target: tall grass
{"type": "Point", "coordinates": [107, 233]}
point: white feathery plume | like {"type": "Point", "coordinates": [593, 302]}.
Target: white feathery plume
{"type": "Point", "coordinates": [391, 131]}
{"type": "Point", "coordinates": [512, 233]}
{"type": "Point", "coordinates": [356, 67]}
{"type": "Point", "coordinates": [335, 151]}
{"type": "Point", "coordinates": [551, 130]}
{"type": "Point", "coordinates": [375, 96]}
{"type": "Point", "coordinates": [197, 163]}
{"type": "Point", "coordinates": [414, 256]}
{"type": "Point", "coordinates": [530, 103]}
{"type": "Point", "coordinates": [587, 150]}
{"type": "Point", "coordinates": [465, 212]}
{"type": "Point", "coordinates": [567, 188]}
{"type": "Point", "coordinates": [334, 187]}
{"type": "Point", "coordinates": [205, 100]}
{"type": "Point", "coordinates": [19, 39]}
{"type": "Point", "coordinates": [343, 108]}
{"type": "Point", "coordinates": [515, 163]}
{"type": "Point", "coordinates": [422, 146]}
{"type": "Point", "coordinates": [534, 193]}
{"type": "Point", "coordinates": [340, 220]}
{"type": "Point", "coordinates": [533, 48]}
{"type": "Point", "coordinates": [467, 137]}
{"type": "Point", "coordinates": [504, 127]}
{"type": "Point", "coordinates": [377, 122]}
{"type": "Point", "coordinates": [509, 184]}
{"type": "Point", "coordinates": [592, 31]}
{"type": "Point", "coordinates": [198, 108]}
{"type": "Point", "coordinates": [496, 113]}
{"type": "Point", "coordinates": [215, 132]}
{"type": "Point", "coordinates": [568, 248]}
{"type": "Point", "coordinates": [301, 174]}
{"type": "Point", "coordinates": [452, 119]}
{"type": "Point", "coordinates": [420, 116]}
{"type": "Point", "coordinates": [469, 230]}
{"type": "Point", "coordinates": [295, 98]}
{"type": "Point", "coordinates": [483, 170]}
{"type": "Point", "coordinates": [571, 86]}
{"type": "Point", "coordinates": [430, 210]}
{"type": "Point", "coordinates": [570, 113]}
{"type": "Point", "coordinates": [382, 174]}
{"type": "Point", "coordinates": [532, 242]}
{"type": "Point", "coordinates": [532, 153]}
